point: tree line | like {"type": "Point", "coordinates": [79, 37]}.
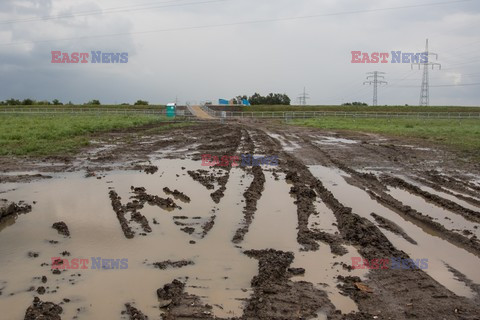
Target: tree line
{"type": "Point", "coordinates": [56, 102]}
{"type": "Point", "coordinates": [270, 99]}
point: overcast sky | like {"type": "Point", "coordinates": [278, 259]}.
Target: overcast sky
{"type": "Point", "coordinates": [200, 50]}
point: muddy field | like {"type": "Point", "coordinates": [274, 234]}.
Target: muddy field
{"type": "Point", "coordinates": [135, 227]}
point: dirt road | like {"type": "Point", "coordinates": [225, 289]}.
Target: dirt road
{"type": "Point", "coordinates": [243, 242]}
{"type": "Point", "coordinates": [199, 113]}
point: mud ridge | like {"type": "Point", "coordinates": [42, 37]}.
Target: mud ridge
{"type": "Point", "coordinates": [143, 197]}
{"type": "Point", "coordinates": [177, 194]}
{"type": "Point", "coordinates": [275, 296]}
{"type": "Point", "coordinates": [120, 211]}
{"type": "Point", "coordinates": [203, 177]}
{"type": "Point", "coordinates": [252, 195]}
{"type": "Point", "coordinates": [392, 226]}
{"type": "Point", "coordinates": [437, 187]}
{"type": "Point", "coordinates": [178, 304]}
{"type": "Point", "coordinates": [451, 183]}
{"type": "Point", "coordinates": [173, 264]}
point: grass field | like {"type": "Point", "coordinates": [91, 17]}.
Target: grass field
{"type": "Point", "coordinates": [36, 136]}
{"type": "Point", "coordinates": [113, 106]}
{"type": "Point", "coordinates": [462, 135]}
{"type": "Point", "coordinates": [361, 109]}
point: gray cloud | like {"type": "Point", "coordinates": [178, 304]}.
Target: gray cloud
{"type": "Point", "coordinates": [221, 62]}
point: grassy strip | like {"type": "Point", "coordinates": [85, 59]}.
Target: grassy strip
{"type": "Point", "coordinates": [113, 106]}
{"type": "Point", "coordinates": [361, 109]}
{"type": "Point", "coordinates": [463, 135]}
{"type": "Point", "coordinates": [39, 136]}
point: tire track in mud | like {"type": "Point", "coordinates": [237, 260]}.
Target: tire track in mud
{"type": "Point", "coordinates": [452, 183]}
{"type": "Point", "coordinates": [439, 188]}
{"type": "Point", "coordinates": [305, 199]}
{"type": "Point", "coordinates": [389, 286]}
{"type": "Point", "coordinates": [377, 191]}
{"type": "Point", "coordinates": [396, 182]}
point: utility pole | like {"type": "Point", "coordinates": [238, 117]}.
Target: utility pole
{"type": "Point", "coordinates": [375, 76]}
{"type": "Point", "coordinates": [303, 97]}
{"type": "Point", "coordinates": [425, 90]}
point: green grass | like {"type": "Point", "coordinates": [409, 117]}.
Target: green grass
{"type": "Point", "coordinates": [361, 109]}
{"type": "Point", "coordinates": [40, 136]}
{"type": "Point", "coordinates": [113, 106]}
{"type": "Point", "coordinates": [463, 135]}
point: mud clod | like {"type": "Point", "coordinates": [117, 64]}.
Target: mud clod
{"type": "Point", "coordinates": [151, 169]}
{"type": "Point", "coordinates": [43, 310]}
{"type": "Point", "coordinates": [61, 228]}
{"type": "Point", "coordinates": [134, 313]}
{"type": "Point", "coordinates": [173, 264]}
{"type": "Point", "coordinates": [12, 209]}
{"type": "Point", "coordinates": [177, 194]}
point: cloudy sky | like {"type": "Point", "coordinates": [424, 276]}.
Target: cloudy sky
{"type": "Point", "coordinates": [200, 50]}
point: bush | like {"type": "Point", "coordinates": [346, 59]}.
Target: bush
{"type": "Point", "coordinates": [141, 103]}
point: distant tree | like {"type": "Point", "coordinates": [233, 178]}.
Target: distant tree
{"type": "Point", "coordinates": [141, 103]}
{"type": "Point", "coordinates": [93, 103]}
{"type": "Point", "coordinates": [13, 102]}
{"type": "Point", "coordinates": [355, 103]}
{"type": "Point", "coordinates": [57, 102]}
{"type": "Point", "coordinates": [70, 103]}
{"type": "Point", "coordinates": [270, 99]}
{"type": "Point", "coordinates": [125, 104]}
{"type": "Point", "coordinates": [28, 102]}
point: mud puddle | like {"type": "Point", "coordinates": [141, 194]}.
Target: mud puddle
{"type": "Point", "coordinates": [219, 274]}
{"type": "Point", "coordinates": [274, 226]}
{"type": "Point", "coordinates": [429, 244]}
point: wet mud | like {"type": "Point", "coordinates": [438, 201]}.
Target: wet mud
{"type": "Point", "coordinates": [215, 260]}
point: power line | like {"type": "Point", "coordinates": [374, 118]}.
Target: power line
{"type": "Point", "coordinates": [375, 83]}
{"type": "Point", "coordinates": [110, 11]}
{"type": "Point", "coordinates": [242, 23]}
{"type": "Point", "coordinates": [444, 85]}
{"type": "Point", "coordinates": [303, 97]}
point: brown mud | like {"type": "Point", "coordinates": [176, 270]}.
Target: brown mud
{"type": "Point", "coordinates": [367, 162]}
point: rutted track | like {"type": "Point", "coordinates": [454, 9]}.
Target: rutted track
{"type": "Point", "coordinates": [220, 207]}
